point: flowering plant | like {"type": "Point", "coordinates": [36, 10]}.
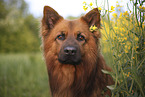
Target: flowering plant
{"type": "Point", "coordinates": [124, 33]}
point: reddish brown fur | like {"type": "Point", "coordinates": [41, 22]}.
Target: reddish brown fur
{"type": "Point", "coordinates": [85, 79]}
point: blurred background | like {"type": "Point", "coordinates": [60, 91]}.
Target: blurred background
{"type": "Point", "coordinates": [22, 68]}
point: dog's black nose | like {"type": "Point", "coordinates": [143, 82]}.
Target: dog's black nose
{"type": "Point", "coordinates": [70, 50]}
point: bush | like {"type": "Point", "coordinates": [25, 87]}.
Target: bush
{"type": "Point", "coordinates": [19, 30]}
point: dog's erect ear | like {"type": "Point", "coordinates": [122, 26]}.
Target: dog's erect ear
{"type": "Point", "coordinates": [50, 18]}
{"type": "Point", "coordinates": [93, 18]}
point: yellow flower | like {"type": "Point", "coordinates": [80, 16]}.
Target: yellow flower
{"type": "Point", "coordinates": [120, 39]}
{"type": "Point", "coordinates": [112, 8]}
{"type": "Point", "coordinates": [126, 51]}
{"type": "Point", "coordinates": [100, 8]}
{"type": "Point", "coordinates": [85, 8]}
{"type": "Point", "coordinates": [128, 47]}
{"type": "Point", "coordinates": [126, 16]}
{"type": "Point", "coordinates": [84, 2]}
{"type": "Point", "coordinates": [136, 39]}
{"type": "Point", "coordinates": [91, 4]}
{"type": "Point", "coordinates": [116, 1]}
{"type": "Point", "coordinates": [111, 11]}
{"type": "Point", "coordinates": [128, 43]}
{"type": "Point", "coordinates": [125, 38]}
{"type": "Point", "coordinates": [120, 29]}
{"type": "Point", "coordinates": [115, 28]}
{"type": "Point", "coordinates": [117, 5]}
{"type": "Point", "coordinates": [137, 47]}
{"type": "Point", "coordinates": [119, 55]}
{"type": "Point", "coordinates": [140, 7]}
{"type": "Point", "coordinates": [93, 28]}
{"type": "Point", "coordinates": [128, 74]}
{"type": "Point", "coordinates": [125, 46]}
{"type": "Point", "coordinates": [114, 15]}
{"type": "Point", "coordinates": [121, 34]}
{"type": "Point", "coordinates": [125, 13]}
{"type": "Point", "coordinates": [120, 14]}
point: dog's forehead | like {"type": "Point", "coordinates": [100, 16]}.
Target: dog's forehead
{"type": "Point", "coordinates": [72, 25]}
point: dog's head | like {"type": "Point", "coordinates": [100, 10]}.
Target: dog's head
{"type": "Point", "coordinates": [69, 40]}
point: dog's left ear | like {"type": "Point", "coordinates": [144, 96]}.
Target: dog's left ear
{"type": "Point", "coordinates": [50, 18]}
{"type": "Point", "coordinates": [92, 18]}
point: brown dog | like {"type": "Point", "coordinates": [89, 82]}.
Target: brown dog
{"type": "Point", "coordinates": [72, 55]}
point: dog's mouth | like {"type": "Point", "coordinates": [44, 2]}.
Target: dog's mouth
{"type": "Point", "coordinates": [71, 61]}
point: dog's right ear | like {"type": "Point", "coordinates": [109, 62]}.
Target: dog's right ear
{"type": "Point", "coordinates": [93, 18]}
{"type": "Point", "coordinates": [50, 18]}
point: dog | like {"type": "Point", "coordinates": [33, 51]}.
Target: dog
{"type": "Point", "coordinates": [72, 55]}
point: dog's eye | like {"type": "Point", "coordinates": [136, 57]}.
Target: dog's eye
{"type": "Point", "coordinates": [61, 37]}
{"type": "Point", "coordinates": [80, 37]}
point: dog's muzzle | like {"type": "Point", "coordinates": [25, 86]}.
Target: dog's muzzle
{"type": "Point", "coordinates": [69, 55]}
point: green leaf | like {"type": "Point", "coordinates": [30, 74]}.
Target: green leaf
{"type": "Point", "coordinates": [112, 87]}
{"type": "Point", "coordinates": [106, 72]}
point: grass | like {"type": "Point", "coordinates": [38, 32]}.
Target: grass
{"type": "Point", "coordinates": [23, 75]}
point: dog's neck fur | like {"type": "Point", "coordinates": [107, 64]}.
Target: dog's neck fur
{"type": "Point", "coordinates": [72, 80]}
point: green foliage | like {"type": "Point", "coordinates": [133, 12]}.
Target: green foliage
{"type": "Point", "coordinates": [18, 29]}
{"type": "Point", "coordinates": [23, 75]}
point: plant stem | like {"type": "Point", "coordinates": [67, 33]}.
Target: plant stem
{"type": "Point", "coordinates": [131, 86]}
